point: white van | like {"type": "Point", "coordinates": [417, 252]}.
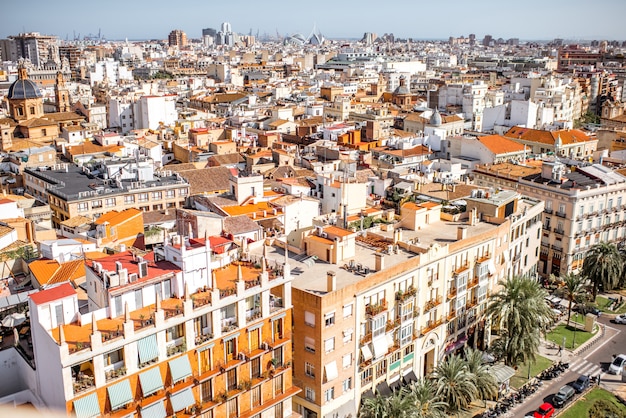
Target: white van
{"type": "Point", "coordinates": [617, 367]}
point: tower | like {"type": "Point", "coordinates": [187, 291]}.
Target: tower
{"type": "Point", "coordinates": [61, 94]}
{"type": "Point", "coordinates": [25, 98]}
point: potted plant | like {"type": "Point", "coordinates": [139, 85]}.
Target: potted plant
{"type": "Point", "coordinates": [222, 397]}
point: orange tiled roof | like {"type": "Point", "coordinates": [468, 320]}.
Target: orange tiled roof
{"type": "Point", "coordinates": [500, 145]}
{"type": "Point", "coordinates": [340, 232]}
{"type": "Point", "coordinates": [43, 269]}
{"type": "Point", "coordinates": [115, 218]}
{"type": "Point", "coordinates": [71, 270]}
{"type": "Point", "coordinates": [568, 136]}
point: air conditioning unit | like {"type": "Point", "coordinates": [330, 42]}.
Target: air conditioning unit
{"type": "Point", "coordinates": [242, 357]}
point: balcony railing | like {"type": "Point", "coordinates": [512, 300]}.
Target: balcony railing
{"type": "Point", "coordinates": [471, 303]}
{"type": "Point", "coordinates": [366, 338]}
{"type": "Point", "coordinates": [253, 314]}
{"type": "Point", "coordinates": [204, 338]}
{"type": "Point", "coordinates": [229, 324]}
{"type": "Point", "coordinates": [430, 325]}
{"type": "Point", "coordinates": [560, 214]}
{"type": "Point", "coordinates": [252, 283]}
{"type": "Point", "coordinates": [391, 325]}
{"type": "Point", "coordinates": [83, 382]}
{"type": "Point", "coordinates": [473, 283]}
{"type": "Point", "coordinates": [408, 293]}
{"type": "Point", "coordinates": [452, 293]}
{"type": "Point", "coordinates": [224, 293]}
{"type": "Point", "coordinates": [436, 301]}
{"type": "Point", "coordinates": [201, 299]}
{"type": "Point", "coordinates": [451, 315]}
{"type": "Point", "coordinates": [375, 309]}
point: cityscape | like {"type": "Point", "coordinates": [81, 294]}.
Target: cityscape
{"type": "Point", "coordinates": [245, 222]}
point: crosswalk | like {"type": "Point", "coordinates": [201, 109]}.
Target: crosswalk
{"type": "Point", "coordinates": [582, 366]}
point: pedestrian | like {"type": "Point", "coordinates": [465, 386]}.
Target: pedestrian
{"type": "Point", "coordinates": [560, 349]}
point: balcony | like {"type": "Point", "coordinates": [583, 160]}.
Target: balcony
{"type": "Point", "coordinates": [253, 314]}
{"type": "Point", "coordinates": [375, 309]}
{"type": "Point", "coordinates": [201, 298]}
{"type": "Point", "coordinates": [548, 210]}
{"type": "Point", "coordinates": [229, 291]}
{"type": "Point", "coordinates": [559, 231]}
{"type": "Point", "coordinates": [452, 293]}
{"type": "Point", "coordinates": [391, 325]}
{"type": "Point", "coordinates": [451, 315]}
{"type": "Point", "coordinates": [401, 296]}
{"type": "Point", "coordinates": [366, 338]}
{"type": "Point", "coordinates": [276, 303]}
{"type": "Point", "coordinates": [430, 325]}
{"type": "Point", "coordinates": [473, 283]}
{"type": "Point", "coordinates": [83, 382]}
{"type": "Point", "coordinates": [433, 303]}
{"type": "Point", "coordinates": [229, 324]}
{"type": "Point", "coordinates": [471, 303]}
{"type": "Point", "coordinates": [560, 214]}
{"type": "Point", "coordinates": [204, 338]}
{"type": "Point", "coordinates": [114, 373]}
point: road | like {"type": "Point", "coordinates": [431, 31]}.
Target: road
{"type": "Point", "coordinates": [591, 362]}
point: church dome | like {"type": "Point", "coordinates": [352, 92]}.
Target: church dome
{"type": "Point", "coordinates": [435, 119]}
{"type": "Point", "coordinates": [23, 88]}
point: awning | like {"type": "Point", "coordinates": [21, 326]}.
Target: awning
{"type": "Point", "coordinates": [156, 410]}
{"type": "Point", "coordinates": [389, 340]}
{"type": "Point", "coordinates": [183, 399]}
{"type": "Point", "coordinates": [366, 352]}
{"type": "Point", "coordinates": [87, 407]}
{"type": "Point", "coordinates": [120, 394]}
{"type": "Point", "coordinates": [501, 372]}
{"type": "Point", "coordinates": [331, 371]}
{"type": "Point", "coordinates": [383, 389]}
{"type": "Point", "coordinates": [395, 385]}
{"type": "Point", "coordinates": [151, 381]}
{"type": "Point", "coordinates": [409, 378]}
{"type": "Point", "coordinates": [491, 267]}
{"type": "Point", "coordinates": [148, 348]}
{"type": "Point", "coordinates": [380, 347]}
{"type": "Point", "coordinates": [368, 394]}
{"type": "Point", "coordinates": [180, 368]}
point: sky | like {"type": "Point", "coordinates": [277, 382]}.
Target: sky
{"type": "Point", "coordinates": [338, 19]}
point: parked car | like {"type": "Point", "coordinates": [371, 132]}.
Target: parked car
{"type": "Point", "coordinates": [620, 319]}
{"type": "Point", "coordinates": [581, 383]}
{"type": "Point", "coordinates": [563, 395]}
{"type": "Point", "coordinates": [546, 410]}
{"type": "Point", "coordinates": [617, 366]}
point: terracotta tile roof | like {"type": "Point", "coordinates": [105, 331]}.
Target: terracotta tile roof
{"type": "Point", "coordinates": [130, 262]}
{"type": "Point", "coordinates": [236, 225]}
{"type": "Point", "coordinates": [226, 159]}
{"type": "Point", "coordinates": [568, 136]}
{"type": "Point", "coordinates": [115, 218]}
{"type": "Point", "coordinates": [48, 295]}
{"type": "Point", "coordinates": [77, 220]}
{"type": "Point", "coordinates": [340, 232]}
{"type": "Point", "coordinates": [178, 167]}
{"type": "Point", "coordinates": [500, 145]}
{"type": "Point", "coordinates": [37, 122]}
{"type": "Point", "coordinates": [89, 147]}
{"type": "Point", "coordinates": [5, 230]}
{"type": "Point", "coordinates": [207, 180]}
{"type": "Point", "coordinates": [70, 271]}
{"type": "Point", "coordinates": [43, 269]}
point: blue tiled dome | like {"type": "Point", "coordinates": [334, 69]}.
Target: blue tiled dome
{"type": "Point", "coordinates": [24, 89]}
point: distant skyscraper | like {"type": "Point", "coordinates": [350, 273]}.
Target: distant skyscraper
{"type": "Point", "coordinates": [177, 38]}
{"type": "Point", "coordinates": [209, 32]}
{"type": "Point", "coordinates": [226, 28]}
{"type": "Point", "coordinates": [487, 40]}
{"type": "Point", "coordinates": [34, 46]}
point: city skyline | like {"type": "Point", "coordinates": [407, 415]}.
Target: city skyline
{"type": "Point", "coordinates": [137, 20]}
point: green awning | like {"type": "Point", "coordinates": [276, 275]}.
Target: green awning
{"type": "Point", "coordinates": [501, 372]}
{"type": "Point", "coordinates": [87, 407]}
{"type": "Point", "coordinates": [180, 368]}
{"type": "Point", "coordinates": [151, 381]}
{"type": "Point", "coordinates": [156, 410]}
{"type": "Point", "coordinates": [120, 394]}
{"type": "Point", "coordinates": [183, 399]}
{"type": "Point", "coordinates": [148, 348]}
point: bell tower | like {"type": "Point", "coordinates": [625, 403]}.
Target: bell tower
{"type": "Point", "coordinates": [61, 94]}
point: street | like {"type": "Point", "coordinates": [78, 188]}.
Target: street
{"type": "Point", "coordinates": [591, 362]}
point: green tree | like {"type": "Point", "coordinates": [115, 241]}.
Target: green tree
{"type": "Point", "coordinates": [484, 381]}
{"type": "Point", "coordinates": [424, 400]}
{"type": "Point", "coordinates": [603, 266]}
{"type": "Point", "coordinates": [396, 405]}
{"type": "Point", "coordinates": [520, 312]}
{"type": "Point", "coordinates": [573, 287]}
{"type": "Point", "coordinates": [455, 384]}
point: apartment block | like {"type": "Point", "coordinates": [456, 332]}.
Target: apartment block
{"type": "Point", "coordinates": [405, 298]}
{"type": "Point", "coordinates": [166, 335]}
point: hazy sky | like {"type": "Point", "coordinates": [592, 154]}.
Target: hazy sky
{"type": "Point", "coordinates": [419, 19]}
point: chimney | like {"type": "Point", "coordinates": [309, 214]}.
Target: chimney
{"type": "Point", "coordinates": [118, 266]}
{"type": "Point", "coordinates": [461, 233]}
{"type": "Point", "coordinates": [380, 261]}
{"type": "Point", "coordinates": [331, 281]}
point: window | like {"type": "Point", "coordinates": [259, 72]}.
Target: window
{"type": "Point", "coordinates": [204, 358]}
{"type": "Point", "coordinates": [347, 384]}
{"type": "Point", "coordinates": [231, 379]}
{"type": "Point", "coordinates": [309, 369]}
{"type": "Point", "coordinates": [255, 396]}
{"type": "Point", "coordinates": [378, 325]}
{"type": "Point", "coordinates": [347, 335]}
{"type": "Point", "coordinates": [309, 344]}
{"type": "Point", "coordinates": [255, 368]}
{"type": "Point", "coordinates": [230, 349]}
{"type": "Point", "coordinates": [231, 408]}
{"type": "Point", "coordinates": [109, 201]}
{"type": "Point", "coordinates": [157, 196]}
{"type": "Point", "coordinates": [346, 360]}
{"type": "Point", "coordinates": [278, 384]}
{"type": "Point", "coordinates": [113, 357]}
{"type": "Point", "coordinates": [278, 355]}
{"type": "Point", "coordinates": [129, 199]}
{"type": "Point", "coordinates": [170, 193]}
{"type": "Point", "coordinates": [406, 334]}
{"type": "Point", "coordinates": [206, 391]}
{"type": "Point", "coordinates": [329, 319]}
{"type": "Point", "coordinates": [96, 204]}
{"type": "Point", "coordinates": [277, 328]}
{"type": "Point", "coordinates": [309, 318]}
{"type": "Point", "coordinates": [83, 207]}
{"type": "Point", "coordinates": [329, 345]}
{"type": "Point", "coordinates": [309, 394]}
{"type": "Point", "coordinates": [143, 197]}
{"type": "Point", "coordinates": [347, 311]}
{"type": "Point", "coordinates": [254, 338]}
{"type": "Point", "coordinates": [175, 332]}
{"type": "Point", "coordinates": [329, 394]}
{"type": "Point", "coordinates": [182, 192]}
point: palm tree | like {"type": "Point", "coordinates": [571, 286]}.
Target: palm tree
{"type": "Point", "coordinates": [519, 310]}
{"type": "Point", "coordinates": [396, 405]}
{"type": "Point", "coordinates": [484, 381]}
{"type": "Point", "coordinates": [603, 265]}
{"type": "Point", "coordinates": [455, 384]}
{"type": "Point", "coordinates": [424, 400]}
{"type": "Point", "coordinates": [574, 286]}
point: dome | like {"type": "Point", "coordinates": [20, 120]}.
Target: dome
{"type": "Point", "coordinates": [24, 89]}
{"type": "Point", "coordinates": [435, 119]}
{"type": "Point", "coordinates": [401, 89]}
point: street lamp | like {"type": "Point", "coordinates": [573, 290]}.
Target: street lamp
{"type": "Point", "coordinates": [563, 347]}
{"type": "Point", "coordinates": [574, 337]}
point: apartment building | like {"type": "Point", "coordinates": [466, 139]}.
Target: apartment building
{"type": "Point", "coordinates": [583, 206]}
{"type": "Point", "coordinates": [405, 299]}
{"type": "Point", "coordinates": [168, 335]}
{"type": "Point", "coordinates": [120, 184]}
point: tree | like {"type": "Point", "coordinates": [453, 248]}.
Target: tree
{"type": "Point", "coordinates": [396, 405]}
{"type": "Point", "coordinates": [574, 287]}
{"type": "Point", "coordinates": [424, 400]}
{"type": "Point", "coordinates": [484, 381]}
{"type": "Point", "coordinates": [603, 266]}
{"type": "Point", "coordinates": [455, 384]}
{"type": "Point", "coordinates": [520, 312]}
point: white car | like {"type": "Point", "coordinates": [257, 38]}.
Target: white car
{"type": "Point", "coordinates": [617, 366]}
{"type": "Point", "coordinates": [620, 319]}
